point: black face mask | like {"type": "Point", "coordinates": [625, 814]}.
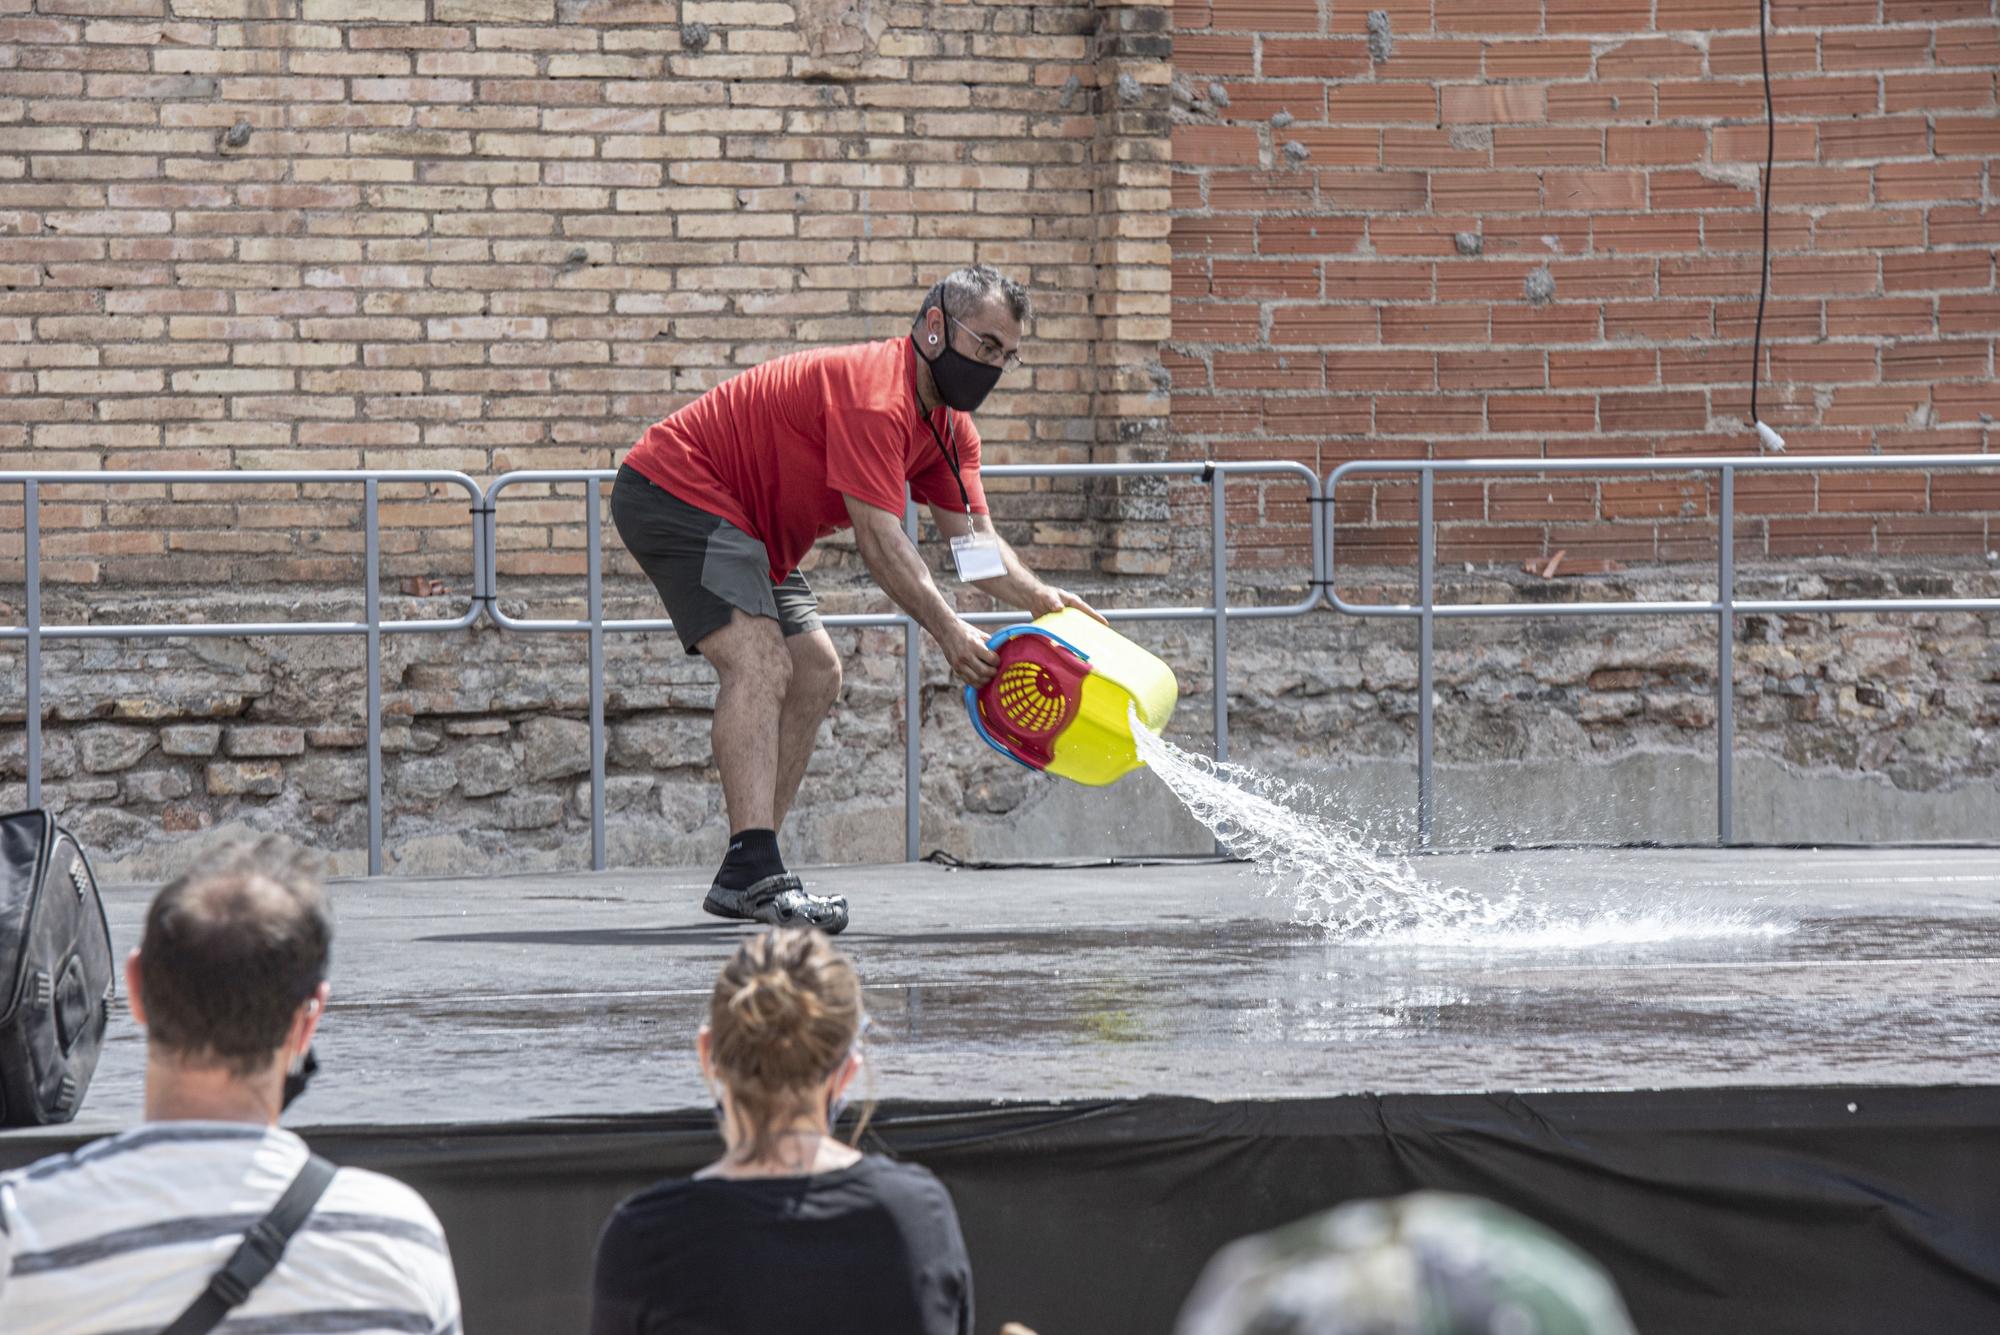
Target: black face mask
{"type": "Point", "coordinates": [296, 1081]}
{"type": "Point", "coordinates": [962, 383]}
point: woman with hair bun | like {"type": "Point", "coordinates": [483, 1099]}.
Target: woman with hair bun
{"type": "Point", "coordinates": [790, 1231]}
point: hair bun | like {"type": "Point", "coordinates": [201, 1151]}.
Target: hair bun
{"type": "Point", "coordinates": [783, 1015]}
{"type": "Point", "coordinates": [773, 1005]}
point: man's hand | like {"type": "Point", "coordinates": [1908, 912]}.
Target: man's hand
{"type": "Point", "coordinates": [1047, 598]}
{"type": "Point", "coordinates": [971, 661]}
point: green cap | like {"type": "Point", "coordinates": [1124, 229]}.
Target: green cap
{"type": "Point", "coordinates": [1428, 1264]}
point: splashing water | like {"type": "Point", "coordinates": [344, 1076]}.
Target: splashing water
{"type": "Point", "coordinates": [1338, 883]}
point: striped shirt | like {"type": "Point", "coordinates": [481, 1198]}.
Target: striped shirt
{"type": "Point", "coordinates": [120, 1236]}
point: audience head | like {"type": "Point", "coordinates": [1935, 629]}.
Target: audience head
{"type": "Point", "coordinates": [1428, 1264]}
{"type": "Point", "coordinates": [230, 975]}
{"type": "Point", "coordinates": [782, 1038]}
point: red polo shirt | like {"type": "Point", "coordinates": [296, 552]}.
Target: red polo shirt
{"type": "Point", "coordinates": [777, 449]}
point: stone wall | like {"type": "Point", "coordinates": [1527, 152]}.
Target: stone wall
{"type": "Point", "coordinates": [1848, 728]}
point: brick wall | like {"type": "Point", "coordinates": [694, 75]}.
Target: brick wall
{"type": "Point", "coordinates": [1446, 228]}
{"type": "Point", "coordinates": [498, 234]}
{"type": "Point", "coordinates": [495, 234]}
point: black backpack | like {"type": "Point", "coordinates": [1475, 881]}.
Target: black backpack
{"type": "Point", "coordinates": [56, 971]}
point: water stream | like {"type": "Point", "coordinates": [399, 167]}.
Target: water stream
{"type": "Point", "coordinates": [1341, 883]}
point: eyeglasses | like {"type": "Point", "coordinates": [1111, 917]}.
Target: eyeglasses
{"type": "Point", "coordinates": [991, 350]}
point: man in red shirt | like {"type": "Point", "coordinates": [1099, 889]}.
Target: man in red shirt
{"type": "Point", "coordinates": [721, 501]}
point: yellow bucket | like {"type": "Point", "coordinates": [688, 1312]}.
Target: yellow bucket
{"type": "Point", "coordinates": [1064, 694]}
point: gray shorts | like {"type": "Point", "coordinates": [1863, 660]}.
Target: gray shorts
{"type": "Point", "coordinates": [703, 565]}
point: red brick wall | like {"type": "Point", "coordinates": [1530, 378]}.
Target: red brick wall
{"type": "Point", "coordinates": [1323, 309]}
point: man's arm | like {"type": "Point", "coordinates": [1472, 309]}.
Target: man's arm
{"type": "Point", "coordinates": [1019, 587]}
{"type": "Point", "coordinates": [899, 570]}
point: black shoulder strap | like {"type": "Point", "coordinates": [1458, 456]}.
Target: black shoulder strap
{"type": "Point", "coordinates": [259, 1252]}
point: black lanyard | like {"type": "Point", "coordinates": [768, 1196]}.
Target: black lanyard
{"type": "Point", "coordinates": [949, 451]}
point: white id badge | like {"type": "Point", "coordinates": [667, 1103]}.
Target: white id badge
{"type": "Point", "coordinates": [977, 556]}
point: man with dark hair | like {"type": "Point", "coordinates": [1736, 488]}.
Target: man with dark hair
{"type": "Point", "coordinates": [720, 502]}
{"type": "Point", "coordinates": [229, 982]}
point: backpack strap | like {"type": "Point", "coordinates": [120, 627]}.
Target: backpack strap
{"type": "Point", "coordinates": [259, 1252]}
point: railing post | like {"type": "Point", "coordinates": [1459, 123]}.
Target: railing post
{"type": "Point", "coordinates": [594, 534]}
{"type": "Point", "coordinates": [371, 490]}
{"type": "Point", "coordinates": [1332, 556]}
{"type": "Point", "coordinates": [1218, 552]}
{"type": "Point", "coordinates": [1426, 620]}
{"type": "Point", "coordinates": [913, 708]}
{"type": "Point", "coordinates": [1321, 504]}
{"type": "Point", "coordinates": [1725, 664]}
{"type": "Point", "coordinates": [482, 517]}
{"type": "Point", "coordinates": [31, 535]}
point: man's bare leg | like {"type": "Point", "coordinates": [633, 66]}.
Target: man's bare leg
{"type": "Point", "coordinates": [755, 667]}
{"type": "Point", "coordinates": [815, 685]}
{"type": "Point", "coordinates": [755, 672]}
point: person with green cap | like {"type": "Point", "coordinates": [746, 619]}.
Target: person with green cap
{"type": "Point", "coordinates": [1426, 1264]}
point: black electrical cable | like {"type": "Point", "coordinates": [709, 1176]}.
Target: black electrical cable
{"type": "Point", "coordinates": [938, 857]}
{"type": "Point", "coordinates": [1770, 158]}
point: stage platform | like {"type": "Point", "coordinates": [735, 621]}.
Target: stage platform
{"type": "Point", "coordinates": [1706, 1066]}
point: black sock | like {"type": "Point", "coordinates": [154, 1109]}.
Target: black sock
{"type": "Point", "coordinates": [753, 855]}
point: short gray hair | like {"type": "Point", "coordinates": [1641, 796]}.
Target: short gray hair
{"type": "Point", "coordinates": [963, 291]}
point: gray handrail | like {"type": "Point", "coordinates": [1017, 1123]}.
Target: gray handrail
{"type": "Point", "coordinates": [596, 626]}
{"type": "Point", "coordinates": [484, 600]}
{"type": "Point", "coordinates": [372, 626]}
{"type": "Point", "coordinates": [1725, 606]}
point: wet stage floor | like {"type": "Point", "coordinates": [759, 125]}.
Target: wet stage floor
{"type": "Point", "coordinates": [491, 999]}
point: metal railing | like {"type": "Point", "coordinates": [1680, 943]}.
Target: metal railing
{"type": "Point", "coordinates": [483, 509]}
{"type": "Point", "coordinates": [483, 601]}
{"type": "Point", "coordinates": [1725, 607]}
{"type": "Point", "coordinates": [1217, 611]}
{"type": "Point", "coordinates": [373, 628]}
